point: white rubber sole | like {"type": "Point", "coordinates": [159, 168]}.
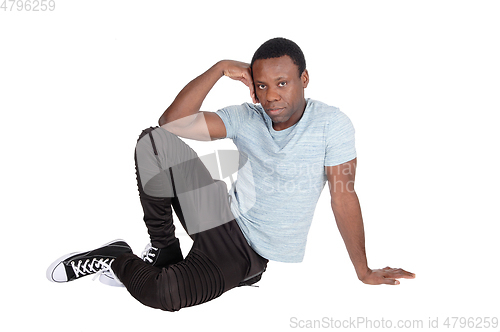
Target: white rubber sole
{"type": "Point", "coordinates": [110, 281]}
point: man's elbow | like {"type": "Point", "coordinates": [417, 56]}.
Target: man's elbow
{"type": "Point", "coordinates": [166, 117]}
{"type": "Point", "coordinates": [162, 120]}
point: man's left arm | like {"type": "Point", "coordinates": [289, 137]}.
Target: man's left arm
{"type": "Point", "coordinates": [347, 212]}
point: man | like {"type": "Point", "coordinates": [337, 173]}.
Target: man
{"type": "Point", "coordinates": [289, 147]}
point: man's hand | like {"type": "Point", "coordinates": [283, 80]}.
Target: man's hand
{"type": "Point", "coordinates": [386, 276]}
{"type": "Point", "coordinates": [240, 71]}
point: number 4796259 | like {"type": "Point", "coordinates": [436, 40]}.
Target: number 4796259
{"type": "Point", "coordinates": [28, 5]}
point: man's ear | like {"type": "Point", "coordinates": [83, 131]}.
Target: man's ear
{"type": "Point", "coordinates": [305, 78]}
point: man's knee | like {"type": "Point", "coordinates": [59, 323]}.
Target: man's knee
{"type": "Point", "coordinates": [146, 132]}
{"type": "Point", "coordinates": [152, 171]}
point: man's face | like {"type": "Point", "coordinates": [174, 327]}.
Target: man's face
{"type": "Point", "coordinates": [280, 90]}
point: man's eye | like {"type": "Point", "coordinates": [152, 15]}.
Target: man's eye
{"type": "Point", "coordinates": [261, 86]}
{"type": "Point", "coordinates": [281, 84]}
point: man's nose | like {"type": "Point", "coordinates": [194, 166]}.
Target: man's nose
{"type": "Point", "coordinates": [272, 95]}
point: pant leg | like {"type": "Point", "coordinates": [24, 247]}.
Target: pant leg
{"type": "Point", "coordinates": [219, 261]}
{"type": "Point", "coordinates": [157, 210]}
{"type": "Point", "coordinates": [168, 171]}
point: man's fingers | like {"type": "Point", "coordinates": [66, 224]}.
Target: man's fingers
{"type": "Point", "coordinates": [392, 282]}
{"type": "Point", "coordinates": [247, 80]}
{"type": "Point", "coordinates": [252, 94]}
{"type": "Point", "coordinates": [386, 281]}
{"type": "Point", "coordinates": [244, 79]}
{"type": "Point", "coordinates": [254, 99]}
{"type": "Point", "coordinates": [408, 275]}
{"type": "Point", "coordinates": [399, 273]}
{"type": "Point", "coordinates": [387, 276]}
{"type": "Point", "coordinates": [242, 72]}
{"type": "Point", "coordinates": [404, 274]}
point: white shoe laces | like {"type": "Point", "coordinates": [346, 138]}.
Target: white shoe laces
{"type": "Point", "coordinates": [147, 254]}
{"type": "Point", "coordinates": [107, 270]}
{"type": "Point", "coordinates": [88, 266]}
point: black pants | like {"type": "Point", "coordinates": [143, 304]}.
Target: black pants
{"type": "Point", "coordinates": [170, 174]}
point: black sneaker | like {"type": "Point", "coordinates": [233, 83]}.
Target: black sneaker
{"type": "Point", "coordinates": [79, 264]}
{"type": "Point", "coordinates": [162, 257]}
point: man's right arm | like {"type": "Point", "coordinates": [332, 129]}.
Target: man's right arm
{"type": "Point", "coordinates": [183, 116]}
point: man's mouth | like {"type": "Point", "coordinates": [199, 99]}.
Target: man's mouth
{"type": "Point", "coordinates": [275, 111]}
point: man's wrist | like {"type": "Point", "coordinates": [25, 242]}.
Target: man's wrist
{"type": "Point", "coordinates": [221, 67]}
{"type": "Point", "coordinates": [363, 272]}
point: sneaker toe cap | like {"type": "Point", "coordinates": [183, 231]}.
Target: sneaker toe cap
{"type": "Point", "coordinates": [57, 273]}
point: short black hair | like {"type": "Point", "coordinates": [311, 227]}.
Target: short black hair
{"type": "Point", "coordinates": [278, 47]}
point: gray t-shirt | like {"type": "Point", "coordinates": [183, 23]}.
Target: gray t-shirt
{"type": "Point", "coordinates": [277, 189]}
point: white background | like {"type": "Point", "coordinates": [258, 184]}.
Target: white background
{"type": "Point", "coordinates": [419, 80]}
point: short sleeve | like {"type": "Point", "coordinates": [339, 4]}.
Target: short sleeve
{"type": "Point", "coordinates": [340, 146]}
{"type": "Point", "coordinates": [233, 117]}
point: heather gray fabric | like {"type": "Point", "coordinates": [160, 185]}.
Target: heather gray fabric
{"type": "Point", "coordinates": [275, 195]}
